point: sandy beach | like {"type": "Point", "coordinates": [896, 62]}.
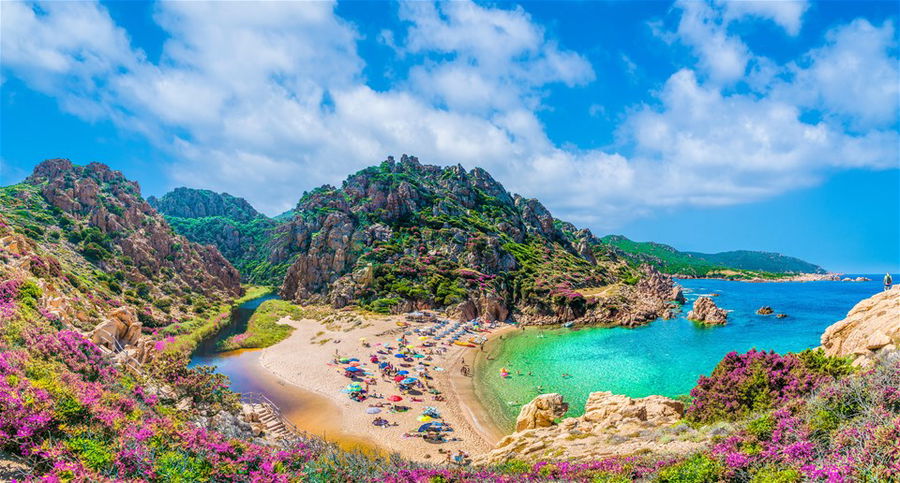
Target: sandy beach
{"type": "Point", "coordinates": [307, 360]}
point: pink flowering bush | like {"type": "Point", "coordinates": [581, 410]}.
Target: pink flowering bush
{"type": "Point", "coordinates": [756, 381]}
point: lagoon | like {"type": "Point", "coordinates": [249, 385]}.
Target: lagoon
{"type": "Point", "coordinates": [665, 357]}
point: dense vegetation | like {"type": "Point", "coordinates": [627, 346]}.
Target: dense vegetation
{"type": "Point", "coordinates": [241, 234]}
{"type": "Point", "coordinates": [264, 329]}
{"type": "Point", "coordinates": [739, 264]}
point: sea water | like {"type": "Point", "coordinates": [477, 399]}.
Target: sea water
{"type": "Point", "coordinates": [667, 356]}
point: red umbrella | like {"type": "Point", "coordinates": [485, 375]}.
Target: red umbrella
{"type": "Point", "coordinates": [395, 398]}
{"type": "Point", "coordinates": [399, 378]}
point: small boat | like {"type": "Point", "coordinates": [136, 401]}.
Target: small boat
{"type": "Point", "coordinates": [465, 344]}
{"type": "Point", "coordinates": [568, 325]}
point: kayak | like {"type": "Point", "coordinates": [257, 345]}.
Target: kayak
{"type": "Point", "coordinates": [465, 344]}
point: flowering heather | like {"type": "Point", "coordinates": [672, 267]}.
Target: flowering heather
{"type": "Point", "coordinates": [758, 380]}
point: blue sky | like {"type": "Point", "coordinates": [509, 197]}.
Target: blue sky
{"type": "Point", "coordinates": [707, 125]}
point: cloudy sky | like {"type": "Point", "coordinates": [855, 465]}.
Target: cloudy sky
{"type": "Point", "coordinates": [707, 125]}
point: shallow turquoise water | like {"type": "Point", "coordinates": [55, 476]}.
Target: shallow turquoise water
{"type": "Point", "coordinates": [667, 356]}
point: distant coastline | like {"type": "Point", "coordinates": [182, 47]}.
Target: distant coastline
{"type": "Point", "coordinates": [799, 277]}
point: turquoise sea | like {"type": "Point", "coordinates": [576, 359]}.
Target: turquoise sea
{"type": "Point", "coordinates": [667, 356]}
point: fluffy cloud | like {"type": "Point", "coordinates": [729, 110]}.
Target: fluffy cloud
{"type": "Point", "coordinates": [268, 101]}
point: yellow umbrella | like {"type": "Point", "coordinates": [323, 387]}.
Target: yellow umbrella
{"type": "Point", "coordinates": [423, 338]}
{"type": "Point", "coordinates": [424, 418]}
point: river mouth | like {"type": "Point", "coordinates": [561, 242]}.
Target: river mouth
{"type": "Point", "coordinates": [310, 412]}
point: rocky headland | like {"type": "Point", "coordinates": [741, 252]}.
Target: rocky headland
{"type": "Point", "coordinates": [612, 425]}
{"type": "Point", "coordinates": [870, 331]}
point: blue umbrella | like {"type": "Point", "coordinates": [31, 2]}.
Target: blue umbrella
{"type": "Point", "coordinates": [383, 365]}
{"type": "Point", "coordinates": [408, 380]}
{"type": "Point", "coordinates": [353, 360]}
{"type": "Point", "coordinates": [400, 356]}
{"type": "Point", "coordinates": [352, 369]}
{"type": "Point", "coordinates": [424, 427]}
{"type": "Point", "coordinates": [402, 373]}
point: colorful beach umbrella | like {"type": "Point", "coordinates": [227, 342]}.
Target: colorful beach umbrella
{"type": "Point", "coordinates": [399, 378]}
{"type": "Point", "coordinates": [373, 410]}
{"type": "Point", "coordinates": [394, 398]}
{"type": "Point", "coordinates": [402, 373]}
{"type": "Point", "coordinates": [408, 380]}
{"type": "Point", "coordinates": [352, 369]}
{"type": "Point", "coordinates": [400, 356]}
{"type": "Point", "coordinates": [423, 418]}
{"type": "Point", "coordinates": [354, 364]}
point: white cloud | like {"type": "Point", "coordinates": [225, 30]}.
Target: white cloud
{"type": "Point", "coordinates": [786, 13]}
{"type": "Point", "coordinates": [268, 101]}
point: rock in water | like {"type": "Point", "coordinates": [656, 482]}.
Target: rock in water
{"type": "Point", "coordinates": [781, 316]}
{"type": "Point", "coordinates": [765, 310]}
{"type": "Point", "coordinates": [541, 412]}
{"type": "Point", "coordinates": [705, 311]}
{"type": "Point", "coordinates": [871, 330]}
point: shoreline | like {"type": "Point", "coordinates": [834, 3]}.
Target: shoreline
{"type": "Point", "coordinates": [304, 361]}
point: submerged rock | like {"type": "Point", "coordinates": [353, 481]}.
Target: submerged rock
{"type": "Point", "coordinates": [871, 330]}
{"type": "Point", "coordinates": [706, 311]}
{"type": "Point", "coordinates": [765, 310]}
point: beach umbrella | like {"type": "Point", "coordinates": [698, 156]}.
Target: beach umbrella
{"type": "Point", "coordinates": [402, 373]}
{"type": "Point", "coordinates": [400, 356]}
{"type": "Point", "coordinates": [394, 398]}
{"type": "Point", "coordinates": [352, 369]}
{"type": "Point", "coordinates": [418, 356]}
{"type": "Point", "coordinates": [383, 365]}
{"type": "Point", "coordinates": [423, 418]}
{"type": "Point", "coordinates": [423, 338]}
{"type": "Point", "coordinates": [373, 410]}
{"type": "Point", "coordinates": [354, 387]}
{"type": "Point", "coordinates": [353, 360]}
{"type": "Point", "coordinates": [399, 378]}
{"type": "Point", "coordinates": [354, 364]}
{"type": "Point", "coordinates": [424, 427]}
{"type": "Point", "coordinates": [408, 380]}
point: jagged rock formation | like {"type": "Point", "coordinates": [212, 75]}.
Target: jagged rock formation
{"type": "Point", "coordinates": [241, 233]}
{"type": "Point", "coordinates": [765, 310]}
{"type": "Point", "coordinates": [870, 331]}
{"type": "Point", "coordinates": [611, 425]}
{"type": "Point", "coordinates": [196, 203]}
{"type": "Point", "coordinates": [706, 312]}
{"type": "Point", "coordinates": [86, 229]}
{"type": "Point", "coordinates": [404, 235]}
{"type": "Point", "coordinates": [541, 412]}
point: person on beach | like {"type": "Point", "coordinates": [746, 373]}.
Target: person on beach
{"type": "Point", "coordinates": [888, 281]}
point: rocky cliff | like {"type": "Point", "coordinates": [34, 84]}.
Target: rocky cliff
{"type": "Point", "coordinates": [196, 203]}
{"type": "Point", "coordinates": [403, 235]}
{"type": "Point", "coordinates": [241, 234]}
{"type": "Point", "coordinates": [86, 229]}
{"type": "Point", "coordinates": [870, 331]}
{"type": "Point", "coordinates": [612, 425]}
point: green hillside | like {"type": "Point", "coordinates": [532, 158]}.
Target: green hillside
{"type": "Point", "coordinates": [732, 264]}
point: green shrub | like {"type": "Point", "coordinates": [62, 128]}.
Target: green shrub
{"type": "Point", "coordinates": [29, 294]}
{"type": "Point", "coordinates": [762, 427]}
{"type": "Point", "coordinates": [95, 454]}
{"type": "Point", "coordinates": [776, 475]}
{"type": "Point", "coordinates": [699, 468]}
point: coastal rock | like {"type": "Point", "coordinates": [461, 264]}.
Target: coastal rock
{"type": "Point", "coordinates": [862, 279]}
{"type": "Point", "coordinates": [781, 316]}
{"type": "Point", "coordinates": [706, 312]}
{"type": "Point", "coordinates": [765, 310]}
{"type": "Point", "coordinates": [612, 425]}
{"type": "Point", "coordinates": [870, 331]}
{"type": "Point", "coordinates": [541, 412]}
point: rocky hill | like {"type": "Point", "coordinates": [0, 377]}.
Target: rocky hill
{"type": "Point", "coordinates": [86, 230]}
{"type": "Point", "coordinates": [241, 233]}
{"type": "Point", "coordinates": [403, 235]}
{"type": "Point", "coordinates": [738, 264]}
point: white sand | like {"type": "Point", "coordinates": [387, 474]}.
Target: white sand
{"type": "Point", "coordinates": [302, 361]}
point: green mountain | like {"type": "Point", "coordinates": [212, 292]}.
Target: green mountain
{"type": "Point", "coordinates": [732, 264]}
{"type": "Point", "coordinates": [402, 235]}
{"type": "Point", "coordinates": [239, 231]}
